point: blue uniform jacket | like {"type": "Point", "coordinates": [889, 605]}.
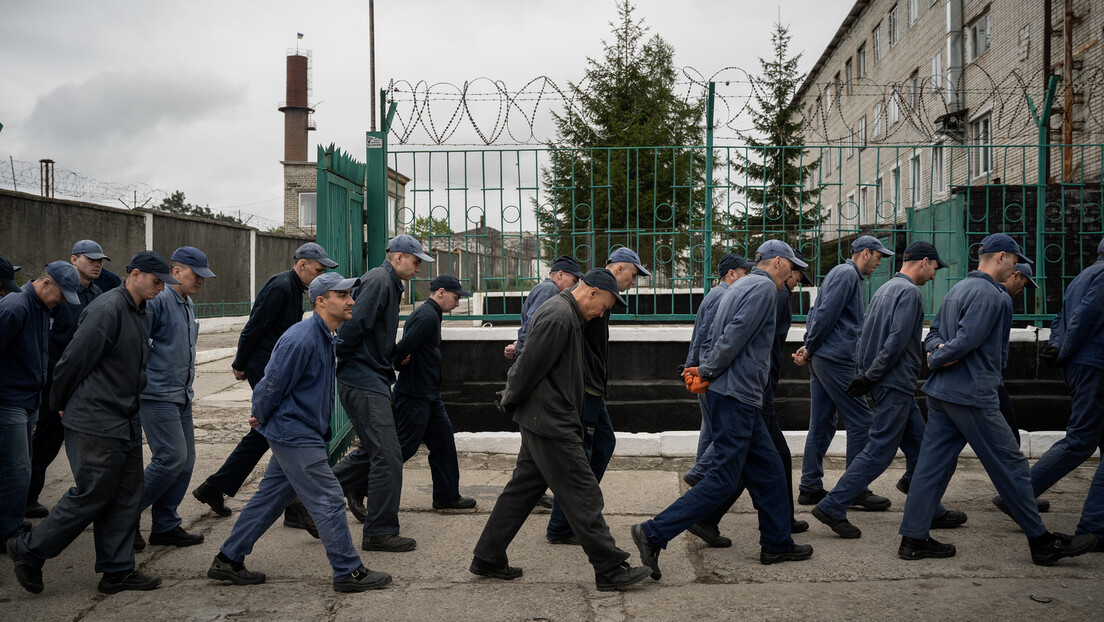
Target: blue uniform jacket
{"type": "Point", "coordinates": [367, 346]}
{"type": "Point", "coordinates": [421, 340]}
{"type": "Point", "coordinates": [1078, 329]}
{"type": "Point", "coordinates": [835, 321]}
{"type": "Point", "coordinates": [24, 348]}
{"type": "Point", "coordinates": [539, 295]}
{"type": "Point", "coordinates": [173, 330]}
{"type": "Point", "coordinates": [972, 324]}
{"type": "Point", "coordinates": [295, 399]}
{"type": "Point", "coordinates": [703, 322]}
{"type": "Point", "coordinates": [742, 337]}
{"type": "Point", "coordinates": [889, 351]}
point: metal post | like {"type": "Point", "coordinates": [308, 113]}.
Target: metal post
{"type": "Point", "coordinates": [372, 59]}
{"type": "Point", "coordinates": [708, 255]}
{"type": "Point", "coordinates": [375, 191]}
{"type": "Point", "coordinates": [1042, 121]}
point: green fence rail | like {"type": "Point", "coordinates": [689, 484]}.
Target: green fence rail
{"type": "Point", "coordinates": [221, 309]}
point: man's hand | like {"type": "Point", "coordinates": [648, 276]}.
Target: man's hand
{"type": "Point", "coordinates": [859, 386]}
{"type": "Point", "coordinates": [253, 423]}
{"type": "Point", "coordinates": [505, 409]}
{"type": "Point", "coordinates": [694, 382]}
{"type": "Point", "coordinates": [801, 357]}
{"type": "Point", "coordinates": [1049, 355]}
{"type": "Point", "coordinates": [947, 364]}
{"type": "Point", "coordinates": [406, 360]}
{"type": "Point", "coordinates": [508, 351]}
{"type": "Point", "coordinates": [238, 375]}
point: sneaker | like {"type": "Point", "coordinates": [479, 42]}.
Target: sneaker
{"type": "Point", "coordinates": [459, 503]}
{"type": "Point", "coordinates": [811, 497]}
{"type": "Point", "coordinates": [620, 577]}
{"type": "Point", "coordinates": [297, 517]}
{"type": "Point", "coordinates": [915, 548]}
{"type": "Point", "coordinates": [29, 578]}
{"type": "Point", "coordinates": [690, 480]}
{"type": "Point", "coordinates": [205, 493]}
{"type": "Point", "coordinates": [503, 571]}
{"type": "Point", "coordinates": [903, 486]}
{"type": "Point", "coordinates": [842, 527]}
{"type": "Point", "coordinates": [798, 526]}
{"type": "Point", "coordinates": [362, 580]}
{"type": "Point", "coordinates": [235, 573]}
{"type": "Point", "coordinates": [356, 505]}
{"type": "Point", "coordinates": [391, 543]}
{"type": "Point", "coordinates": [569, 540]}
{"type": "Point", "coordinates": [871, 502]}
{"type": "Point", "coordinates": [711, 535]}
{"type": "Point", "coordinates": [139, 541]}
{"type": "Point", "coordinates": [950, 520]}
{"type": "Point", "coordinates": [35, 509]}
{"type": "Point", "coordinates": [649, 553]}
{"type": "Point", "coordinates": [175, 537]}
{"type": "Point", "coordinates": [799, 552]}
{"type": "Point", "coordinates": [1062, 546]}
{"type": "Point", "coordinates": [115, 582]}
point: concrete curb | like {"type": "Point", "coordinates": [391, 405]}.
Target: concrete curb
{"type": "Point", "coordinates": [216, 354]}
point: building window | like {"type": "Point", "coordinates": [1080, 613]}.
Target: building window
{"type": "Point", "coordinates": [913, 11]}
{"type": "Point", "coordinates": [864, 204]}
{"type": "Point", "coordinates": [861, 131]}
{"type": "Point", "coordinates": [981, 134]}
{"type": "Point", "coordinates": [876, 122]}
{"type": "Point", "coordinates": [893, 26]}
{"type": "Point", "coordinates": [937, 72]}
{"type": "Point", "coordinates": [839, 155]}
{"type": "Point", "coordinates": [308, 209]}
{"type": "Point", "coordinates": [860, 60]}
{"type": "Point", "coordinates": [850, 143]}
{"type": "Point", "coordinates": [895, 187]}
{"type": "Point", "coordinates": [979, 37]}
{"type": "Point", "coordinates": [876, 41]}
{"type": "Point", "coordinates": [850, 202]}
{"type": "Point", "coordinates": [828, 97]}
{"type": "Point", "coordinates": [839, 87]}
{"type": "Point", "coordinates": [914, 173]}
{"type": "Point", "coordinates": [894, 107]}
{"type": "Point", "coordinates": [848, 77]}
{"type": "Point", "coordinates": [828, 162]}
{"type": "Point", "coordinates": [914, 89]}
{"type": "Point", "coordinates": [939, 177]}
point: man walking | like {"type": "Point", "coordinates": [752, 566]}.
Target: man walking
{"type": "Point", "coordinates": [564, 274]}
{"type": "Point", "coordinates": [96, 387]}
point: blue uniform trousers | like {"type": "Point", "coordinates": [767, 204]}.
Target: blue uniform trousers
{"type": "Point", "coordinates": [16, 425]}
{"type": "Point", "coordinates": [171, 437]}
{"type": "Point", "coordinates": [703, 458]}
{"type": "Point", "coordinates": [1092, 514]}
{"type": "Point", "coordinates": [828, 382]}
{"type": "Point", "coordinates": [1085, 432]}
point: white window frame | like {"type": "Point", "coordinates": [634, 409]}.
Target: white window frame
{"type": "Point", "coordinates": [894, 35]}
{"type": "Point", "coordinates": [876, 42]}
{"type": "Point", "coordinates": [838, 85]}
{"type": "Point", "coordinates": [937, 71]}
{"type": "Point", "coordinates": [828, 161]}
{"type": "Point", "coordinates": [981, 137]}
{"type": "Point", "coordinates": [895, 186]}
{"type": "Point", "coordinates": [913, 12]}
{"type": "Point", "coordinates": [864, 203]}
{"type": "Point", "coordinates": [860, 62]}
{"type": "Point", "coordinates": [939, 170]}
{"type": "Point", "coordinates": [894, 108]}
{"type": "Point", "coordinates": [849, 76]}
{"type": "Point", "coordinates": [979, 36]}
{"type": "Point", "coordinates": [850, 144]}
{"type": "Point", "coordinates": [861, 130]}
{"type": "Point", "coordinates": [914, 89]}
{"type": "Point", "coordinates": [308, 211]}
{"type": "Point", "coordinates": [916, 195]}
{"type": "Point", "coordinates": [851, 200]}
{"type": "Point", "coordinates": [876, 121]}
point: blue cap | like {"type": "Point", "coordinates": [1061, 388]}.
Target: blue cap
{"type": "Point", "coordinates": [778, 248]}
{"type": "Point", "coordinates": [314, 251]}
{"type": "Point", "coordinates": [920, 250]}
{"type": "Point", "coordinates": [7, 275]}
{"type": "Point", "coordinates": [407, 244]}
{"type": "Point", "coordinates": [328, 282]}
{"type": "Point", "coordinates": [603, 279]}
{"type": "Point", "coordinates": [153, 263]}
{"type": "Point", "coordinates": [805, 278]}
{"type": "Point", "coordinates": [568, 264]}
{"type": "Point", "coordinates": [999, 242]}
{"type": "Point", "coordinates": [627, 255]}
{"type": "Point", "coordinates": [193, 258]}
{"type": "Point", "coordinates": [865, 242]}
{"type": "Point", "coordinates": [448, 283]}
{"type": "Point", "coordinates": [1028, 274]}
{"type": "Point", "coordinates": [732, 261]}
{"type": "Point", "coordinates": [89, 249]}
{"type": "Point", "coordinates": [65, 275]}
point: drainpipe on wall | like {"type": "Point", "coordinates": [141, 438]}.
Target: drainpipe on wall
{"type": "Point", "coordinates": [954, 56]}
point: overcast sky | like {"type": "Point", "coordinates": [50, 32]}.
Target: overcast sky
{"type": "Point", "coordinates": [184, 95]}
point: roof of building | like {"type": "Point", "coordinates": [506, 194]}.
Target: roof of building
{"type": "Point", "coordinates": [852, 16]}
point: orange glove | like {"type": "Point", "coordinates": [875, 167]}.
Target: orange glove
{"type": "Point", "coordinates": [694, 381]}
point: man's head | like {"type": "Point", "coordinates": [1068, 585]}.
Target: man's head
{"type": "Point", "coordinates": [920, 261]}
{"type": "Point", "coordinates": [625, 266]}
{"type": "Point", "coordinates": [998, 255]}
{"type": "Point", "coordinates": [189, 266]}
{"type": "Point", "coordinates": [57, 284]}
{"type": "Point", "coordinates": [1022, 277]}
{"type": "Point", "coordinates": [565, 272]}
{"type": "Point", "coordinates": [406, 255]}
{"type": "Point", "coordinates": [88, 257]}
{"type": "Point", "coordinates": [867, 253]}
{"type": "Point", "coordinates": [596, 293]}
{"type": "Point", "coordinates": [797, 274]}
{"type": "Point", "coordinates": [446, 291]}
{"type": "Point", "coordinates": [147, 275]}
{"type": "Point", "coordinates": [7, 277]}
{"type": "Point", "coordinates": [331, 296]}
{"type": "Point", "coordinates": [733, 266]}
{"type": "Point", "coordinates": [311, 261]}
{"type": "Point", "coordinates": [777, 259]}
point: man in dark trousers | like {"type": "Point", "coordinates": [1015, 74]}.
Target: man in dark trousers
{"type": "Point", "coordinates": [279, 306]}
{"type": "Point", "coordinates": [96, 387]}
{"type": "Point", "coordinates": [564, 274]}
{"type": "Point", "coordinates": [420, 415]}
{"type": "Point", "coordinates": [967, 348]}
{"type": "Point", "coordinates": [24, 337]}
{"type": "Point", "coordinates": [364, 377]}
{"type": "Point", "coordinates": [87, 257]}
{"type": "Point", "coordinates": [544, 393]}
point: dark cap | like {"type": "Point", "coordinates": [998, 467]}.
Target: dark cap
{"type": "Point", "coordinates": [448, 283]}
{"type": "Point", "coordinates": [920, 250]}
{"type": "Point", "coordinates": [865, 242]}
{"type": "Point", "coordinates": [327, 282]}
{"type": "Point", "coordinates": [805, 278]}
{"type": "Point", "coordinates": [65, 275]}
{"type": "Point", "coordinates": [193, 258]}
{"type": "Point", "coordinates": [7, 275]}
{"type": "Point", "coordinates": [314, 251]}
{"type": "Point", "coordinates": [568, 264]}
{"type": "Point", "coordinates": [778, 248]}
{"type": "Point", "coordinates": [89, 249]}
{"type": "Point", "coordinates": [151, 262]}
{"type": "Point", "coordinates": [1028, 274]}
{"type": "Point", "coordinates": [999, 242]}
{"type": "Point", "coordinates": [732, 261]}
{"type": "Point", "coordinates": [408, 245]}
{"type": "Point", "coordinates": [627, 255]}
{"type": "Point", "coordinates": [603, 279]}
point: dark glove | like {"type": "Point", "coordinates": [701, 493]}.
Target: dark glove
{"type": "Point", "coordinates": [681, 369]}
{"type": "Point", "coordinates": [859, 386]}
{"type": "Point", "coordinates": [1049, 355]}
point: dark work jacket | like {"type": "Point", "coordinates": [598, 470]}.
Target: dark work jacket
{"type": "Point", "coordinates": [366, 354]}
{"type": "Point", "coordinates": [835, 321]}
{"type": "Point", "coordinates": [24, 329]}
{"type": "Point", "coordinates": [103, 371]}
{"type": "Point", "coordinates": [783, 318]}
{"type": "Point", "coordinates": [421, 339]}
{"type": "Point", "coordinates": [278, 307]}
{"type": "Point", "coordinates": [1078, 329]}
{"type": "Point", "coordinates": [596, 354]}
{"type": "Point", "coordinates": [889, 352]}
{"type": "Point", "coordinates": [66, 316]}
{"type": "Point", "coordinates": [546, 385]}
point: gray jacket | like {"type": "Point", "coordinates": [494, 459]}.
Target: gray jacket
{"type": "Point", "coordinates": [173, 330]}
{"type": "Point", "coordinates": [546, 385]}
{"type": "Point", "coordinates": [889, 352]}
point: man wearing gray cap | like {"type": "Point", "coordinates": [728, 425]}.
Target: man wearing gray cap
{"type": "Point", "coordinates": [97, 384]}
{"type": "Point", "coordinates": [367, 354]}
{"type": "Point", "coordinates": [544, 393]}
{"type": "Point", "coordinates": [564, 274]}
{"type": "Point", "coordinates": [831, 332]}
{"type": "Point", "coordinates": [24, 329]}
{"type": "Point", "coordinates": [278, 306]}
{"type": "Point", "coordinates": [166, 403]}
{"type": "Point", "coordinates": [7, 277]}
{"type": "Point", "coordinates": [87, 257]}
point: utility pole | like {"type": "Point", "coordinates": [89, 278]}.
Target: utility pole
{"type": "Point", "coordinates": [372, 57]}
{"type": "Point", "coordinates": [1067, 98]}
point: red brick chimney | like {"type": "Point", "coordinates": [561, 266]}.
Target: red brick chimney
{"type": "Point", "coordinates": [296, 109]}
